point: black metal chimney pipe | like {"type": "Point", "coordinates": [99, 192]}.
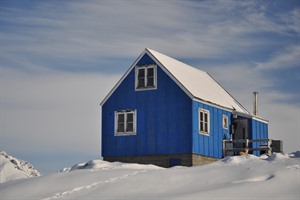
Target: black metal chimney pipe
{"type": "Point", "coordinates": [255, 103]}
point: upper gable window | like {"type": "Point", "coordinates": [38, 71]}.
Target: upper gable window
{"type": "Point", "coordinates": [145, 77]}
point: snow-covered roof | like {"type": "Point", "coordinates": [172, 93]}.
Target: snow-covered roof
{"type": "Point", "coordinates": [198, 84]}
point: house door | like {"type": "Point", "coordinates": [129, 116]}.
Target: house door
{"type": "Point", "coordinates": [240, 132]}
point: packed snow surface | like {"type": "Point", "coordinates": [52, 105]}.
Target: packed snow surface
{"type": "Point", "coordinates": [238, 177]}
{"type": "Point", "coordinates": [12, 168]}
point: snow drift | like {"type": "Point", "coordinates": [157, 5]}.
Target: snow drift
{"type": "Point", "coordinates": [12, 168]}
{"type": "Point", "coordinates": [238, 177]}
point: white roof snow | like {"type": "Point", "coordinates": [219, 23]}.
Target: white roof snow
{"type": "Point", "coordinates": [197, 83]}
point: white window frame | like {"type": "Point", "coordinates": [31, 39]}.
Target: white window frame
{"type": "Point", "coordinates": [225, 122]}
{"type": "Point", "coordinates": [202, 123]}
{"type": "Point", "coordinates": [146, 67]}
{"type": "Point", "coordinates": [125, 112]}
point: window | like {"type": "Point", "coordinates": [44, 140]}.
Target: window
{"type": "Point", "coordinates": [125, 122]}
{"type": "Point", "coordinates": [145, 77]}
{"type": "Point", "coordinates": [204, 121]}
{"type": "Point", "coordinates": [225, 121]}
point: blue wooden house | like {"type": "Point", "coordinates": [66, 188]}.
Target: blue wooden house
{"type": "Point", "coordinates": [168, 113]}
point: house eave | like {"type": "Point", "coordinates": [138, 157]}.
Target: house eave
{"type": "Point", "coordinates": [257, 118]}
{"type": "Point", "coordinates": [213, 104]}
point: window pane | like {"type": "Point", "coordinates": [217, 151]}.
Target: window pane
{"type": "Point", "coordinates": [201, 116]}
{"type": "Point", "coordinates": [150, 82]}
{"type": "Point", "coordinates": [205, 117]}
{"type": "Point", "coordinates": [129, 117]}
{"type": "Point", "coordinates": [121, 117]}
{"type": "Point", "coordinates": [141, 82]}
{"type": "Point", "coordinates": [129, 127]}
{"type": "Point", "coordinates": [120, 122]}
{"type": "Point", "coordinates": [205, 128]}
{"type": "Point", "coordinates": [129, 123]}
{"type": "Point", "coordinates": [121, 127]}
{"type": "Point", "coordinates": [150, 72]}
{"type": "Point", "coordinates": [141, 73]}
{"type": "Point", "coordinates": [201, 126]}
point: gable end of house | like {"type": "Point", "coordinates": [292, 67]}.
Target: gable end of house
{"type": "Point", "coordinates": [198, 88]}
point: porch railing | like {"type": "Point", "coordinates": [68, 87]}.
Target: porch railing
{"type": "Point", "coordinates": [261, 145]}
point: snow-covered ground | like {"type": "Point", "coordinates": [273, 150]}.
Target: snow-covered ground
{"type": "Point", "coordinates": [12, 168]}
{"type": "Point", "coordinates": [239, 177]}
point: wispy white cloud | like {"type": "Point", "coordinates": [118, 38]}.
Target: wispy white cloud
{"type": "Point", "coordinates": [284, 59]}
{"type": "Point", "coordinates": [290, 20]}
{"type": "Point", "coordinates": [122, 28]}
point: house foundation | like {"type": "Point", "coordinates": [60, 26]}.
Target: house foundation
{"type": "Point", "coordinates": [168, 160]}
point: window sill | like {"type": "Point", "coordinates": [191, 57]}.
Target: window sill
{"type": "Point", "coordinates": [145, 88]}
{"type": "Point", "coordinates": [124, 134]}
{"type": "Point", "coordinates": [202, 133]}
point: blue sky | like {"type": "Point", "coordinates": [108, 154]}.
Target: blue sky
{"type": "Point", "coordinates": [59, 59]}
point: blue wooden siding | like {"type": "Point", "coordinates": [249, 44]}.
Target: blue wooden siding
{"type": "Point", "coordinates": [164, 118]}
{"type": "Point", "coordinates": [167, 121]}
{"type": "Point", "coordinates": [209, 145]}
{"type": "Point", "coordinates": [259, 130]}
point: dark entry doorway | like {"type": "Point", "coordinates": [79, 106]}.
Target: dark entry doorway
{"type": "Point", "coordinates": [241, 127]}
